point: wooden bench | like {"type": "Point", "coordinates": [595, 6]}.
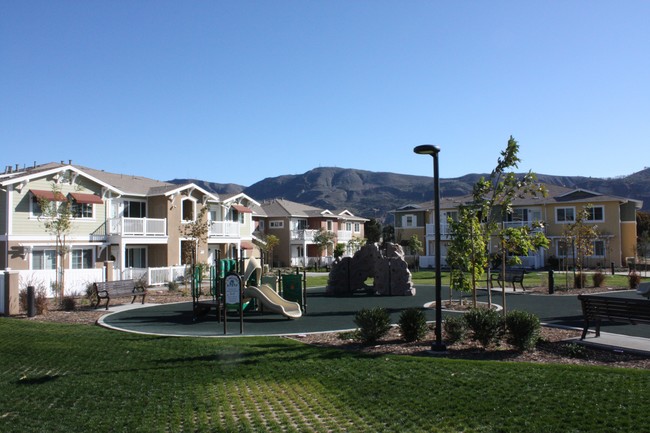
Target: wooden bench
{"type": "Point", "coordinates": [115, 289]}
{"type": "Point", "coordinates": [596, 308]}
{"type": "Point", "coordinates": [512, 276]}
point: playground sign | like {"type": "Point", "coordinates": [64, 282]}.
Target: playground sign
{"type": "Point", "coordinates": [233, 295]}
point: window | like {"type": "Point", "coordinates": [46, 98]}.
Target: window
{"type": "Point", "coordinates": [517, 215]}
{"type": "Point", "coordinates": [135, 209]}
{"type": "Point", "coordinates": [43, 259]}
{"type": "Point", "coordinates": [599, 248]}
{"type": "Point", "coordinates": [82, 258]}
{"type": "Point", "coordinates": [330, 225]}
{"type": "Point", "coordinates": [81, 210]}
{"type": "Point", "coordinates": [188, 210]}
{"type": "Point", "coordinates": [596, 214]}
{"type": "Point", "coordinates": [348, 227]}
{"type": "Point", "coordinates": [408, 221]}
{"type": "Point", "coordinates": [563, 249]}
{"type": "Point", "coordinates": [301, 224]}
{"type": "Point", "coordinates": [136, 258]}
{"type": "Point", "coordinates": [357, 227]}
{"type": "Point", "coordinates": [276, 224]}
{"type": "Point", "coordinates": [565, 214]}
{"type": "Point", "coordinates": [260, 225]}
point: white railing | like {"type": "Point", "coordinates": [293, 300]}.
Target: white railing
{"type": "Point", "coordinates": [303, 235]}
{"type": "Point", "coordinates": [224, 228]}
{"type": "Point", "coordinates": [344, 236]}
{"type": "Point", "coordinates": [155, 276]}
{"type": "Point", "coordinates": [76, 280]}
{"type": "Point", "coordinates": [445, 232]}
{"type": "Point", "coordinates": [138, 226]}
{"type": "Point", "coordinates": [2, 292]}
{"type": "Point", "coordinates": [312, 261]}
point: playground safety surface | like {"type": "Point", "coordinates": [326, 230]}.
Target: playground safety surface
{"type": "Point", "coordinates": [336, 313]}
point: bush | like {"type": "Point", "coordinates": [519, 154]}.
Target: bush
{"type": "Point", "coordinates": [580, 281]}
{"type": "Point", "coordinates": [172, 286]}
{"type": "Point", "coordinates": [634, 279]}
{"type": "Point", "coordinates": [523, 329]}
{"type": "Point", "coordinates": [373, 323]}
{"type": "Point", "coordinates": [599, 279]}
{"type": "Point", "coordinates": [413, 324]}
{"type": "Point", "coordinates": [455, 329]}
{"type": "Point", "coordinates": [486, 325]}
{"type": "Point", "coordinates": [40, 300]}
{"type": "Point", "coordinates": [69, 303]}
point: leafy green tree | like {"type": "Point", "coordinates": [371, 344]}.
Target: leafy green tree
{"type": "Point", "coordinates": [323, 240]}
{"type": "Point", "coordinates": [56, 217]}
{"type": "Point", "coordinates": [416, 248]}
{"type": "Point", "coordinates": [270, 242]}
{"type": "Point", "coordinates": [581, 236]}
{"type": "Point", "coordinates": [493, 198]}
{"type": "Point", "coordinates": [339, 250]}
{"type": "Point", "coordinates": [467, 252]}
{"type": "Point", "coordinates": [373, 231]}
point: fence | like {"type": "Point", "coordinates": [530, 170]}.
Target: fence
{"type": "Point", "coordinates": [155, 276]}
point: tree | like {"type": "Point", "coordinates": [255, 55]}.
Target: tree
{"type": "Point", "coordinates": [493, 199]}
{"type": "Point", "coordinates": [388, 233]}
{"type": "Point", "coordinates": [323, 240]}
{"type": "Point", "coordinates": [416, 248]}
{"type": "Point", "coordinates": [270, 242]}
{"type": "Point", "coordinates": [466, 253]}
{"type": "Point", "coordinates": [339, 250]}
{"type": "Point", "coordinates": [581, 237]}
{"type": "Point", "coordinates": [196, 233]}
{"type": "Point", "coordinates": [56, 217]}
{"type": "Point", "coordinates": [373, 231]}
{"type": "Point", "coordinates": [355, 244]}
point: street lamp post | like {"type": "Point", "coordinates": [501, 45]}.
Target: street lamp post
{"type": "Point", "coordinates": [429, 149]}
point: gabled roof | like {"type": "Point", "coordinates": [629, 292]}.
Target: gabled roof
{"type": "Point", "coordinates": [286, 208]}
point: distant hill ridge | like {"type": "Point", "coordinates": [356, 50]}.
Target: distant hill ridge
{"type": "Point", "coordinates": [373, 194]}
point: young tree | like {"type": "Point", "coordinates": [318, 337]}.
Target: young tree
{"type": "Point", "coordinates": [581, 237]}
{"type": "Point", "coordinates": [467, 252]}
{"type": "Point", "coordinates": [196, 233]}
{"type": "Point", "coordinates": [339, 250]}
{"type": "Point", "coordinates": [416, 248]}
{"type": "Point", "coordinates": [270, 242]}
{"type": "Point", "coordinates": [355, 244]}
{"type": "Point", "coordinates": [56, 217]}
{"type": "Point", "coordinates": [493, 199]}
{"type": "Point", "coordinates": [323, 240]}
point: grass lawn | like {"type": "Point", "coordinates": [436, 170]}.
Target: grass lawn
{"type": "Point", "coordinates": [79, 378]}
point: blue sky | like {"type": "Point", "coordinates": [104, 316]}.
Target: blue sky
{"type": "Point", "coordinates": [238, 91]}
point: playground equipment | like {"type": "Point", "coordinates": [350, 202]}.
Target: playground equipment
{"type": "Point", "coordinates": [256, 296]}
{"type": "Point", "coordinates": [388, 269]}
{"type": "Point", "coordinates": [268, 298]}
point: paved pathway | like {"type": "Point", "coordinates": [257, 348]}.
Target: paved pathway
{"type": "Point", "coordinates": [325, 313]}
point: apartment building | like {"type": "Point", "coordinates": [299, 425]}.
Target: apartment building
{"type": "Point", "coordinates": [296, 225]}
{"type": "Point", "coordinates": [133, 223]}
{"type": "Point", "coordinates": [615, 218]}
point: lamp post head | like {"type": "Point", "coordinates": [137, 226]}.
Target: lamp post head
{"type": "Point", "coordinates": [427, 149]}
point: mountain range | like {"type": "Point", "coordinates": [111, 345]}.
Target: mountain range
{"type": "Point", "coordinates": [373, 194]}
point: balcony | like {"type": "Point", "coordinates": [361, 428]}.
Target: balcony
{"type": "Point", "coordinates": [445, 231]}
{"type": "Point", "coordinates": [344, 236]}
{"type": "Point", "coordinates": [303, 235]}
{"type": "Point", "coordinates": [222, 229]}
{"type": "Point", "coordinates": [144, 227]}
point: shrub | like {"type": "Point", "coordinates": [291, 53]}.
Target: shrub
{"type": "Point", "coordinates": [580, 280]}
{"type": "Point", "coordinates": [172, 286]}
{"type": "Point", "coordinates": [373, 323]}
{"type": "Point", "coordinates": [40, 300]}
{"type": "Point", "coordinates": [486, 325]}
{"type": "Point", "coordinates": [455, 329]}
{"type": "Point", "coordinates": [413, 324]}
{"type": "Point", "coordinates": [599, 279]}
{"type": "Point", "coordinates": [523, 329]}
{"type": "Point", "coordinates": [69, 303]}
{"type": "Point", "coordinates": [634, 279]}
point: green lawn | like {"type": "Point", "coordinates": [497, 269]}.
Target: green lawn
{"type": "Point", "coordinates": [80, 378]}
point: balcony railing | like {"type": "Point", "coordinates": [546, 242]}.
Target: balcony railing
{"type": "Point", "coordinates": [445, 229]}
{"type": "Point", "coordinates": [303, 235]}
{"type": "Point", "coordinates": [344, 236]}
{"type": "Point", "coordinates": [224, 229]}
{"type": "Point", "coordinates": [138, 226]}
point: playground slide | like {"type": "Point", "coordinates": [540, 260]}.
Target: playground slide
{"type": "Point", "coordinates": [271, 301]}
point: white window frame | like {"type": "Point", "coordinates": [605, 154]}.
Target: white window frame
{"type": "Point", "coordinates": [357, 227]}
{"type": "Point", "coordinates": [42, 251]}
{"type": "Point", "coordinates": [565, 221]}
{"type": "Point", "coordinates": [603, 248]}
{"type": "Point", "coordinates": [193, 204]}
{"type": "Point", "coordinates": [277, 224]}
{"type": "Point", "coordinates": [74, 251]}
{"type": "Point", "coordinates": [409, 220]}
{"type": "Point", "coordinates": [591, 214]}
{"type": "Point", "coordinates": [81, 206]}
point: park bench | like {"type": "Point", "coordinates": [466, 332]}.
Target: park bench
{"type": "Point", "coordinates": [596, 308]}
{"type": "Point", "coordinates": [115, 289]}
{"type": "Point", "coordinates": [512, 276]}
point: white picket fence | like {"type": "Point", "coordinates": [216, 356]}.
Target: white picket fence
{"type": "Point", "coordinates": [155, 276]}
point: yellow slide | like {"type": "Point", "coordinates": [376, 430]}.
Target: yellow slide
{"type": "Point", "coordinates": [273, 302]}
